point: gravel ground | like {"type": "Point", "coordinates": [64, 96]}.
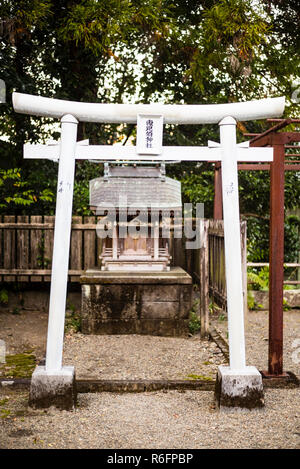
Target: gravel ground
{"type": "Point", "coordinates": [256, 333]}
{"type": "Point", "coordinates": [149, 357]}
{"type": "Point", "coordinates": [154, 420]}
{"type": "Point", "coordinates": [170, 419]}
{"type": "Point", "coordinates": [141, 357]}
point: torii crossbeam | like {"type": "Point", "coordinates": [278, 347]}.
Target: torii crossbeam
{"type": "Point", "coordinates": [149, 147]}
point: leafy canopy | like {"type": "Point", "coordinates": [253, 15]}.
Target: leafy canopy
{"type": "Point", "coordinates": [184, 51]}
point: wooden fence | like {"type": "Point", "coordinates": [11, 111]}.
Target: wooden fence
{"type": "Point", "coordinates": [210, 269]}
{"type": "Point", "coordinates": [26, 255]}
{"type": "Point", "coordinates": [26, 245]}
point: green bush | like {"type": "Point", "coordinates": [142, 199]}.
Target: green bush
{"type": "Point", "coordinates": [260, 280]}
{"type": "Point", "coordinates": [3, 296]}
{"type": "Point", "coordinates": [194, 324]}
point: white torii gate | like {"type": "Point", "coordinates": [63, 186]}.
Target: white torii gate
{"type": "Point", "coordinates": [68, 150]}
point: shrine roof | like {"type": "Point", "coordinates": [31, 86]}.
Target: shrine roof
{"type": "Point", "coordinates": [138, 193]}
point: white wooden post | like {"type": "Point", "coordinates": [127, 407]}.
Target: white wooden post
{"type": "Point", "coordinates": [244, 269]}
{"type": "Point", "coordinates": [156, 240]}
{"type": "Point", "coordinates": [62, 233]}
{"type": "Point", "coordinates": [204, 278]}
{"type": "Point", "coordinates": [232, 239]}
{"type": "Point", "coordinates": [115, 241]}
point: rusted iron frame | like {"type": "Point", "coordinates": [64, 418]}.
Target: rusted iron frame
{"type": "Point", "coordinates": [289, 166]}
{"type": "Point", "coordinates": [276, 257]}
{"type": "Point", "coordinates": [218, 205]}
{"type": "Point", "coordinates": [290, 120]}
{"type": "Point", "coordinates": [280, 138]}
{"type": "Point", "coordinates": [281, 124]}
{"type": "Point", "coordinates": [266, 167]}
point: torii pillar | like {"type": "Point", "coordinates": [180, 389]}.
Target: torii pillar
{"type": "Point", "coordinates": [55, 384]}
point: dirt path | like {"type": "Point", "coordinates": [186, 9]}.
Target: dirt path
{"type": "Point", "coordinates": [24, 331]}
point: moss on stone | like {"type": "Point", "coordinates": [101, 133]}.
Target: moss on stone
{"type": "Point", "coordinates": [200, 377]}
{"type": "Point", "coordinates": [4, 413]}
{"type": "Point", "coordinates": [20, 365]}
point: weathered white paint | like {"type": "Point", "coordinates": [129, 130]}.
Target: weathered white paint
{"type": "Point", "coordinates": [172, 113]}
{"type": "Point", "coordinates": [62, 233]}
{"type": "Point", "coordinates": [156, 241]}
{"type": "Point", "coordinates": [232, 240]}
{"type": "Point", "coordinates": [117, 152]}
{"type": "Point", "coordinates": [114, 241]}
{"type": "Point", "coordinates": [240, 388]}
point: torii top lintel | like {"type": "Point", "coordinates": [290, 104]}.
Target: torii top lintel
{"type": "Point", "coordinates": [172, 113]}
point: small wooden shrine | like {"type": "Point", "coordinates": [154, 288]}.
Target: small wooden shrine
{"type": "Point", "coordinates": [136, 290]}
{"type": "Point", "coordinates": [145, 202]}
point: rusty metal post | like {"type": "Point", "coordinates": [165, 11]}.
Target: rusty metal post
{"type": "Point", "coordinates": [276, 259]}
{"type": "Point", "coordinates": [218, 201]}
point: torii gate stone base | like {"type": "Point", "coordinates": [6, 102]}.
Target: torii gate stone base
{"type": "Point", "coordinates": [237, 385]}
{"type": "Point", "coordinates": [239, 388]}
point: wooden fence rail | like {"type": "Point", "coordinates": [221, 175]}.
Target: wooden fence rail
{"type": "Point", "coordinates": [211, 271]}
{"type": "Point", "coordinates": [288, 265]}
{"type": "Point", "coordinates": [26, 245]}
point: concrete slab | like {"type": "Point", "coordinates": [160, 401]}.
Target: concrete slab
{"type": "Point", "coordinates": [172, 277]}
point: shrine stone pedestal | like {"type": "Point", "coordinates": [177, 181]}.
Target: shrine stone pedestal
{"type": "Point", "coordinates": [154, 303]}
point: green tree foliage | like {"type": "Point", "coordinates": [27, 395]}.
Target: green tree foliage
{"type": "Point", "coordinates": [14, 191]}
{"type": "Point", "coordinates": [184, 51]}
{"type": "Point", "coordinates": [233, 34]}
{"type": "Point", "coordinates": [68, 49]}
